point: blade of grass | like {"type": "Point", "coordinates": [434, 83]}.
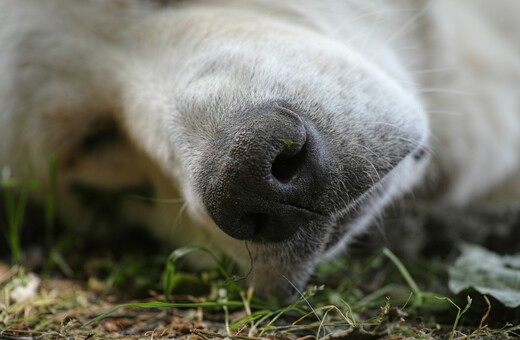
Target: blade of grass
{"type": "Point", "coordinates": [222, 297]}
{"type": "Point", "coordinates": [419, 295]}
{"type": "Point", "coordinates": [249, 319]}
{"type": "Point", "coordinates": [160, 304]}
{"type": "Point", "coordinates": [16, 196]}
{"type": "Point", "coordinates": [50, 204]}
{"type": "Point", "coordinates": [303, 299]}
{"type": "Point", "coordinates": [460, 312]}
{"type": "Point", "coordinates": [169, 272]}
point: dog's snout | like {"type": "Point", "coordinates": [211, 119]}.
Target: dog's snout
{"type": "Point", "coordinates": [265, 187]}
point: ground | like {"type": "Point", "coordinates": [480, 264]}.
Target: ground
{"type": "Point", "coordinates": [358, 298]}
{"type": "Point", "coordinates": [55, 284]}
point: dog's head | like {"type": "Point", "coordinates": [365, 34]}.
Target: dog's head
{"type": "Point", "coordinates": [280, 138]}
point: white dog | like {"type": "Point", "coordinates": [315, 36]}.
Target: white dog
{"type": "Point", "coordinates": [271, 131]}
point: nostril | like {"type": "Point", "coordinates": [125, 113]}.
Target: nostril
{"type": "Point", "coordinates": [287, 164]}
{"type": "Point", "coordinates": [253, 223]}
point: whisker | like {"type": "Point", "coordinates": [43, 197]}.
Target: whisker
{"type": "Point", "coordinates": [433, 70]}
{"type": "Point", "coordinates": [407, 48]}
{"type": "Point", "coordinates": [404, 28]}
{"type": "Point", "coordinates": [371, 151]}
{"type": "Point", "coordinates": [303, 297]}
{"type": "Point", "coordinates": [391, 125]}
{"type": "Point", "coordinates": [373, 168]}
{"type": "Point", "coordinates": [400, 129]}
{"type": "Point", "coordinates": [447, 91]}
{"type": "Point", "coordinates": [178, 218]}
{"type": "Point", "coordinates": [364, 12]}
{"type": "Point", "coordinates": [440, 112]}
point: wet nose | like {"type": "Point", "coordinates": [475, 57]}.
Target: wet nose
{"type": "Point", "coordinates": [267, 185]}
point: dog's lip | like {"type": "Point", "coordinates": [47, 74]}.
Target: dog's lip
{"type": "Point", "coordinates": [305, 217]}
{"type": "Point", "coordinates": [302, 208]}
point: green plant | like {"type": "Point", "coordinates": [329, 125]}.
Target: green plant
{"type": "Point", "coordinates": [460, 312]}
{"type": "Point", "coordinates": [16, 195]}
{"type": "Point", "coordinates": [50, 204]}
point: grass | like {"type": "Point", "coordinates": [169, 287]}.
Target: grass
{"type": "Point", "coordinates": [15, 195]}
{"type": "Point", "coordinates": [67, 308]}
{"type": "Point", "coordinates": [135, 295]}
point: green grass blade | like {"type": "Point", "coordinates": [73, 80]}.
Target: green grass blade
{"type": "Point", "coordinates": [406, 276]}
{"type": "Point", "coordinates": [50, 204]}
{"type": "Point", "coordinates": [160, 304]}
{"type": "Point", "coordinates": [460, 312]}
{"type": "Point", "coordinates": [169, 272]}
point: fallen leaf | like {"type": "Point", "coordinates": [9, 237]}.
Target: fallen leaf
{"type": "Point", "coordinates": [488, 273]}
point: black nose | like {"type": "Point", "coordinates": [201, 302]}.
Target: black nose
{"type": "Point", "coordinates": [268, 182]}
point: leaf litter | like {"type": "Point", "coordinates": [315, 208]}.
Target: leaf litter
{"type": "Point", "coordinates": [394, 308]}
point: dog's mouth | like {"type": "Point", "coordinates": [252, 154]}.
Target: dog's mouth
{"type": "Point", "coordinates": [277, 228]}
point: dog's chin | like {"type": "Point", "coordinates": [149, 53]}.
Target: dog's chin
{"type": "Point", "coordinates": [282, 269]}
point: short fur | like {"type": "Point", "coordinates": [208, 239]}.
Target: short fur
{"type": "Point", "coordinates": [135, 98]}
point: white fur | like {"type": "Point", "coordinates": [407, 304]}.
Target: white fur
{"type": "Point", "coordinates": [67, 63]}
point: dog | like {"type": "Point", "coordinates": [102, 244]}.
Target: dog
{"type": "Point", "coordinates": [273, 132]}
